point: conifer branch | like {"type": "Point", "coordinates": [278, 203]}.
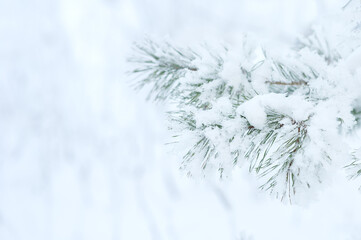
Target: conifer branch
{"type": "Point", "coordinates": [262, 113]}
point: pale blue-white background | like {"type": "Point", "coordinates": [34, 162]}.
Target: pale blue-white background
{"type": "Point", "coordinates": [82, 156]}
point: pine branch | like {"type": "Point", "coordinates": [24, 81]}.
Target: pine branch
{"type": "Point", "coordinates": [273, 157]}
{"type": "Point", "coordinates": [165, 64]}
{"type": "Point", "coordinates": [270, 151]}
{"type": "Point", "coordinates": [213, 119]}
{"type": "Point", "coordinates": [287, 79]}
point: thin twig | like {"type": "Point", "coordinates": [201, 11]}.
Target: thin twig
{"type": "Point", "coordinates": [192, 68]}
{"type": "Point", "coordinates": [300, 83]}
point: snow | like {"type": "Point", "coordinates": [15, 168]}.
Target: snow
{"type": "Point", "coordinates": [254, 112]}
{"type": "Point", "coordinates": [255, 109]}
{"type": "Point", "coordinates": [353, 61]}
{"type": "Point", "coordinates": [83, 157]}
{"type": "Point", "coordinates": [220, 109]}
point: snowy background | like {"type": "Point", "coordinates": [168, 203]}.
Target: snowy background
{"type": "Point", "coordinates": [82, 156]}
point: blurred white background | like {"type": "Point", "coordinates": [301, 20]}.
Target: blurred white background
{"type": "Point", "coordinates": [82, 156]}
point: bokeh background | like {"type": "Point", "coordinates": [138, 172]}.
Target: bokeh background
{"type": "Point", "coordinates": [82, 156]}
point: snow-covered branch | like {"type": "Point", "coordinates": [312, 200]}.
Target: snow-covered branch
{"type": "Point", "coordinates": [284, 117]}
